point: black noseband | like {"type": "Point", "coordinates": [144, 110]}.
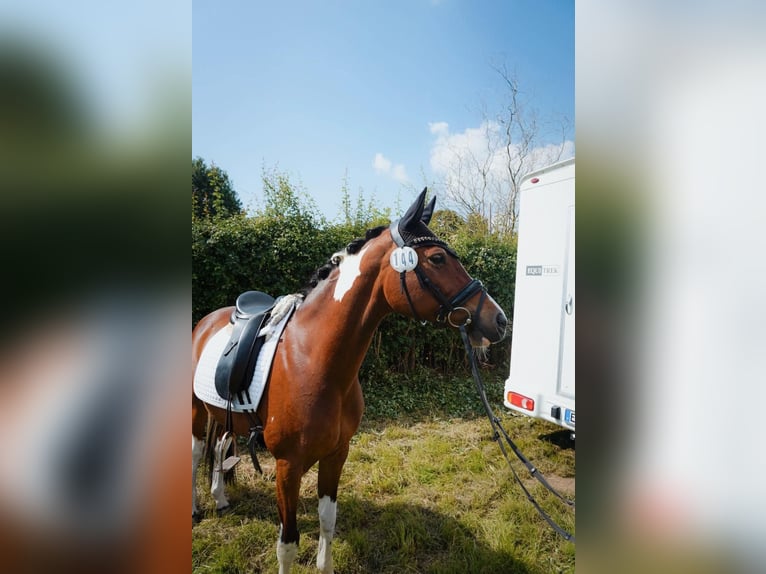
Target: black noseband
{"type": "Point", "coordinates": [467, 292]}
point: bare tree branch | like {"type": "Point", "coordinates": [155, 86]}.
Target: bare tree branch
{"type": "Point", "coordinates": [486, 166]}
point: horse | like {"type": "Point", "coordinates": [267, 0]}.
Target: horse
{"type": "Point", "coordinates": [313, 403]}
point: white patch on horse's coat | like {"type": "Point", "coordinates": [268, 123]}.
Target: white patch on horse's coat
{"type": "Point", "coordinates": [198, 448]}
{"type": "Point", "coordinates": [328, 511]}
{"type": "Point", "coordinates": [348, 272]}
{"type": "Point", "coordinates": [286, 554]}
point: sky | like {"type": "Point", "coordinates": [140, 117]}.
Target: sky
{"type": "Point", "coordinates": [366, 92]}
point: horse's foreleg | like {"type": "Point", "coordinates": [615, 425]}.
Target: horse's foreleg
{"type": "Point", "coordinates": [198, 449]}
{"type": "Point", "coordinates": [217, 488]}
{"type": "Point", "coordinates": [288, 489]}
{"type": "Point", "coordinates": [327, 489]}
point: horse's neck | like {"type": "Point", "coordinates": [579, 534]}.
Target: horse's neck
{"type": "Point", "coordinates": [342, 330]}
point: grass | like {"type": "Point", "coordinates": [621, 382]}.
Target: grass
{"type": "Point", "coordinates": [430, 496]}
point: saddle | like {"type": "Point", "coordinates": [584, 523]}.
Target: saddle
{"type": "Point", "coordinates": [237, 364]}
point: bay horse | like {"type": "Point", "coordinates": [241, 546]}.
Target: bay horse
{"type": "Point", "coordinates": [313, 402]}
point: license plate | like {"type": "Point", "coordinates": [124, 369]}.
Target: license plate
{"type": "Point", "coordinates": [569, 416]}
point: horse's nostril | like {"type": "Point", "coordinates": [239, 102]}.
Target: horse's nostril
{"type": "Point", "coordinates": [501, 320]}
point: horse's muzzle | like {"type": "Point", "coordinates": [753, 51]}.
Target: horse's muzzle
{"type": "Point", "coordinates": [502, 326]}
{"type": "Point", "coordinates": [490, 327]}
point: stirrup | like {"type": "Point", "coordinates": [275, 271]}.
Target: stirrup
{"type": "Point", "coordinates": [231, 461]}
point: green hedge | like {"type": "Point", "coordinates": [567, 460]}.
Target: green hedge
{"type": "Point", "coordinates": [277, 252]}
{"type": "Point", "coordinates": [274, 255]}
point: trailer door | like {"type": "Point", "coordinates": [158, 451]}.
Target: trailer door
{"type": "Point", "coordinates": [567, 342]}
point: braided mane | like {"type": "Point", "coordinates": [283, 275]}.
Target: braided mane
{"type": "Point", "coordinates": [352, 248]}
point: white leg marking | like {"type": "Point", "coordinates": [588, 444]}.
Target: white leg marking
{"type": "Point", "coordinates": [198, 447]}
{"type": "Point", "coordinates": [217, 489]}
{"type": "Point", "coordinates": [349, 271]}
{"type": "Point", "coordinates": [286, 554]}
{"type": "Point", "coordinates": [328, 511]}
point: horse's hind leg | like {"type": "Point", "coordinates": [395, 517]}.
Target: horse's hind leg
{"type": "Point", "coordinates": [288, 489]}
{"type": "Point", "coordinates": [199, 418]}
{"type": "Point", "coordinates": [327, 490]}
{"type": "Point", "coordinates": [198, 449]}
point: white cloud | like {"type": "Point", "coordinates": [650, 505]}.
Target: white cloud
{"type": "Point", "coordinates": [439, 128]}
{"type": "Point", "coordinates": [399, 174]}
{"type": "Point", "coordinates": [473, 167]}
{"type": "Point", "coordinates": [453, 153]}
{"type": "Point", "coordinates": [381, 163]}
{"type": "Point", "coordinates": [384, 166]}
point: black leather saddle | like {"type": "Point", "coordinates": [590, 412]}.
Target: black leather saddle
{"type": "Point", "coordinates": [237, 364]}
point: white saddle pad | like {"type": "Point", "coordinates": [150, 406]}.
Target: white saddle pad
{"type": "Point", "coordinates": [248, 399]}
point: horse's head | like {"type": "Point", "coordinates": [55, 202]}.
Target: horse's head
{"type": "Point", "coordinates": [424, 279]}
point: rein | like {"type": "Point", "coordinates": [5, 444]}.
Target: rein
{"type": "Point", "coordinates": [498, 430]}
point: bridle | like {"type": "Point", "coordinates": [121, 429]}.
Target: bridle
{"type": "Point", "coordinates": [447, 306]}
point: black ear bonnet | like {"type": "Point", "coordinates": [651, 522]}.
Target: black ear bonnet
{"type": "Point", "coordinates": [412, 229]}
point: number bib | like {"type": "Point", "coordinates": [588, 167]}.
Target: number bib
{"type": "Point", "coordinates": [404, 259]}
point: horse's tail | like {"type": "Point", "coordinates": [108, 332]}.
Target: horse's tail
{"type": "Point", "coordinates": [213, 432]}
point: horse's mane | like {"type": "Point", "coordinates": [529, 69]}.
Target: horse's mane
{"type": "Point", "coordinates": [354, 247]}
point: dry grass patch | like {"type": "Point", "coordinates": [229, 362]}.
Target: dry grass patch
{"type": "Point", "coordinates": [429, 496]}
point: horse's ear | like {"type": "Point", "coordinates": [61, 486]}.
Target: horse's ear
{"type": "Point", "coordinates": [428, 212]}
{"type": "Point", "coordinates": [415, 211]}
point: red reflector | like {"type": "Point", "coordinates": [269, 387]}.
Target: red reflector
{"type": "Point", "coordinates": [535, 179]}
{"type": "Point", "coordinates": [521, 401]}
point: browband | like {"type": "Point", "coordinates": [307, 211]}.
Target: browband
{"type": "Point", "coordinates": [418, 241]}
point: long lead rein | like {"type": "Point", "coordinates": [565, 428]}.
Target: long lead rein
{"type": "Point", "coordinates": [497, 429]}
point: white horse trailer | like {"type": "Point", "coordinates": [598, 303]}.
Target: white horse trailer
{"type": "Point", "coordinates": [541, 382]}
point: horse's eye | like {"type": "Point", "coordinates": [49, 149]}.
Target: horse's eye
{"type": "Point", "coordinates": [437, 259]}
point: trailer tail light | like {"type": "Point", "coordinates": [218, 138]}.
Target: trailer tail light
{"type": "Point", "coordinates": [521, 401]}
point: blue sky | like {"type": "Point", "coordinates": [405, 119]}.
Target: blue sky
{"type": "Point", "coordinates": [324, 89]}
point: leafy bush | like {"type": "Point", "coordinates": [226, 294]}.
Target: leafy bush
{"type": "Point", "coordinates": [279, 248]}
{"type": "Point", "coordinates": [423, 393]}
{"type": "Point", "coordinates": [275, 255]}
